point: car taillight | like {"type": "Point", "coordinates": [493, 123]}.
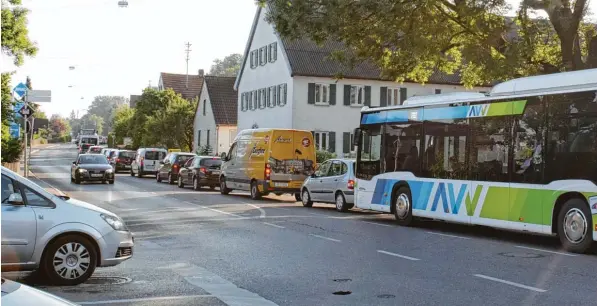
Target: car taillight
{"type": "Point", "coordinates": [118, 160]}
{"type": "Point", "coordinates": [350, 184]}
{"type": "Point", "coordinates": [268, 171]}
{"type": "Point", "coordinates": [202, 170]}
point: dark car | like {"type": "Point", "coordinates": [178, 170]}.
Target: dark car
{"type": "Point", "coordinates": [91, 167]}
{"type": "Point", "coordinates": [200, 171]}
{"type": "Point", "coordinates": [84, 148]}
{"type": "Point", "coordinates": [121, 159]}
{"type": "Point", "coordinates": [171, 164]}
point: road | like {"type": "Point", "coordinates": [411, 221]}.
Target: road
{"type": "Point", "coordinates": [203, 248]}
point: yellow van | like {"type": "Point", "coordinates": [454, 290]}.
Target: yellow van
{"type": "Point", "coordinates": [268, 160]}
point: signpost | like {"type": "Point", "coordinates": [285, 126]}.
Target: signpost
{"type": "Point", "coordinates": [39, 96]}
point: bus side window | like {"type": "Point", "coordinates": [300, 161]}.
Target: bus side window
{"type": "Point", "coordinates": [369, 157]}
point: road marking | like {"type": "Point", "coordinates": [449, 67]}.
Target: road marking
{"type": "Point", "coordinates": [381, 224]}
{"type": "Point", "coordinates": [216, 210]}
{"type": "Point", "coordinates": [274, 225]}
{"type": "Point", "coordinates": [510, 283]}
{"type": "Point", "coordinates": [261, 210]}
{"type": "Point", "coordinates": [546, 251]}
{"type": "Point", "coordinates": [158, 298]}
{"type": "Point", "coordinates": [447, 235]}
{"type": "Point", "coordinates": [326, 238]}
{"type": "Point", "coordinates": [397, 255]}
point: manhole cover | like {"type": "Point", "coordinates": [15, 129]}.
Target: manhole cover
{"type": "Point", "coordinates": [521, 255]}
{"type": "Point", "coordinates": [342, 280]}
{"type": "Point", "coordinates": [386, 296]}
{"type": "Point", "coordinates": [107, 280]}
{"type": "Point", "coordinates": [342, 293]}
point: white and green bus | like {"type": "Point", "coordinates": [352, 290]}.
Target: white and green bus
{"type": "Point", "coordinates": [522, 157]}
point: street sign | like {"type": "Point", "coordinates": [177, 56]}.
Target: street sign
{"type": "Point", "coordinates": [20, 90]}
{"type": "Point", "coordinates": [15, 130]}
{"type": "Point", "coordinates": [26, 111]}
{"type": "Point", "coordinates": [17, 108]}
{"type": "Point", "coordinates": [39, 96]}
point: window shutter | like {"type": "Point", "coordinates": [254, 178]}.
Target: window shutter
{"type": "Point", "coordinates": [204, 106]}
{"type": "Point", "coordinates": [275, 51]}
{"type": "Point", "coordinates": [242, 101]}
{"type": "Point", "coordinates": [383, 96]}
{"type": "Point", "coordinates": [207, 142]}
{"type": "Point", "coordinates": [252, 59]}
{"type": "Point", "coordinates": [402, 95]}
{"type": "Point", "coordinates": [332, 94]}
{"type": "Point", "coordinates": [311, 93]}
{"type": "Point", "coordinates": [367, 95]}
{"type": "Point", "coordinates": [332, 144]}
{"type": "Point", "coordinates": [285, 96]}
{"type": "Point", "coordinates": [198, 138]}
{"type": "Point", "coordinates": [438, 91]}
{"type": "Point", "coordinates": [346, 142]}
{"type": "Point", "coordinates": [346, 94]}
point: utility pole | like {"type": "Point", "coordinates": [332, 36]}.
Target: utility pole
{"type": "Point", "coordinates": [187, 50]}
{"type": "Point", "coordinates": [26, 155]}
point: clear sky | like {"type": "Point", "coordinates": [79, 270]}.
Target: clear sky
{"type": "Point", "coordinates": [118, 51]}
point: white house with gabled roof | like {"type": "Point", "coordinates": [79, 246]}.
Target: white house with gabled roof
{"type": "Point", "coordinates": [292, 84]}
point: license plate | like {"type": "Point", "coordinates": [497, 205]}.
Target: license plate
{"type": "Point", "coordinates": [280, 184]}
{"type": "Point", "coordinates": [96, 175]}
{"type": "Point", "coordinates": [127, 166]}
{"type": "Point", "coordinates": [217, 172]}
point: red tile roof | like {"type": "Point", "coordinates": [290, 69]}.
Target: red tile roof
{"type": "Point", "coordinates": [224, 99]}
{"type": "Point", "coordinates": [177, 82]}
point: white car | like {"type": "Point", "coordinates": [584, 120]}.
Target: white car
{"type": "Point", "coordinates": [64, 238]}
{"type": "Point", "coordinates": [147, 161]}
{"type": "Point", "coordinates": [14, 293]}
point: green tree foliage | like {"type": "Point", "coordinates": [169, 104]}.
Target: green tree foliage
{"type": "Point", "coordinates": [121, 123]}
{"type": "Point", "coordinates": [15, 35]}
{"type": "Point", "coordinates": [105, 108]}
{"type": "Point", "coordinates": [59, 126]}
{"type": "Point", "coordinates": [7, 101]}
{"type": "Point", "coordinates": [410, 40]}
{"type": "Point", "coordinates": [323, 155]}
{"type": "Point", "coordinates": [228, 66]}
{"type": "Point", "coordinates": [92, 121]}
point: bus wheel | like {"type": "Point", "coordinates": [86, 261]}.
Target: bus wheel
{"type": "Point", "coordinates": [255, 194]}
{"type": "Point", "coordinates": [574, 226]}
{"type": "Point", "coordinates": [403, 211]}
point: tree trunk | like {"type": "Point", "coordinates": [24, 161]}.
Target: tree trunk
{"type": "Point", "coordinates": [592, 54]}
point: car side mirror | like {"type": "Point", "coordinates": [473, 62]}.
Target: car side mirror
{"type": "Point", "coordinates": [74, 162]}
{"type": "Point", "coordinates": [224, 156]}
{"type": "Point", "coordinates": [15, 199]}
{"type": "Point", "coordinates": [313, 175]}
{"type": "Point", "coordinates": [161, 162]}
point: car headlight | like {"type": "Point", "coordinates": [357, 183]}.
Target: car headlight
{"type": "Point", "coordinates": [109, 171]}
{"type": "Point", "coordinates": [115, 222]}
{"type": "Point", "coordinates": [82, 170]}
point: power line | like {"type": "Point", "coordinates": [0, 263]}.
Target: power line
{"type": "Point", "coordinates": [188, 51]}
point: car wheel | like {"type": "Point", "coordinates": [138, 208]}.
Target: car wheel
{"type": "Point", "coordinates": [69, 260]}
{"type": "Point", "coordinates": [575, 226]}
{"type": "Point", "coordinates": [104, 182]}
{"type": "Point", "coordinates": [212, 187]}
{"type": "Point", "coordinates": [403, 211]}
{"type": "Point", "coordinates": [170, 179]}
{"type": "Point", "coordinates": [341, 202]}
{"type": "Point", "coordinates": [72, 180]}
{"type": "Point", "coordinates": [223, 187]}
{"type": "Point", "coordinates": [306, 198]}
{"type": "Point", "coordinates": [180, 184]}
{"type": "Point", "coordinates": [196, 185]}
{"type": "Point", "coordinates": [111, 182]}
{"type": "Point", "coordinates": [77, 179]}
{"type": "Point", "coordinates": [157, 177]}
{"type": "Point", "coordinates": [255, 194]}
{"type": "Point", "coordinates": [140, 173]}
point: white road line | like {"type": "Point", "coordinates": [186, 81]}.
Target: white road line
{"type": "Point", "coordinates": [261, 210]}
{"type": "Point", "coordinates": [216, 210]}
{"type": "Point", "coordinates": [381, 224]}
{"type": "Point", "coordinates": [397, 255]}
{"type": "Point", "coordinates": [326, 238]}
{"type": "Point", "coordinates": [447, 235]}
{"type": "Point", "coordinates": [158, 298]}
{"type": "Point", "coordinates": [274, 225]}
{"type": "Point", "coordinates": [546, 251]}
{"type": "Point", "coordinates": [510, 283]}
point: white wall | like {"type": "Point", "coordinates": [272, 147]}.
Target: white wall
{"type": "Point", "coordinates": [226, 135]}
{"type": "Point", "coordinates": [340, 118]}
{"type": "Point", "coordinates": [264, 76]}
{"type": "Point", "coordinates": [204, 122]}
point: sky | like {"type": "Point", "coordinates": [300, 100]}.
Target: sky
{"type": "Point", "coordinates": [119, 51]}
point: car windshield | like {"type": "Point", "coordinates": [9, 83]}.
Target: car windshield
{"type": "Point", "coordinates": [155, 155]}
{"type": "Point", "coordinates": [126, 154]}
{"type": "Point", "coordinates": [92, 159]}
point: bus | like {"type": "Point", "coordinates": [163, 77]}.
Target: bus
{"type": "Point", "coordinates": [522, 157]}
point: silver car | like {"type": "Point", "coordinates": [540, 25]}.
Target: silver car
{"type": "Point", "coordinates": [14, 293]}
{"type": "Point", "coordinates": [64, 238]}
{"type": "Point", "coordinates": [332, 182]}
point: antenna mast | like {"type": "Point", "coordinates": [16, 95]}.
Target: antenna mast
{"type": "Point", "coordinates": [187, 50]}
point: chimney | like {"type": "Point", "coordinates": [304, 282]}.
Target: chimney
{"type": "Point", "coordinates": [201, 72]}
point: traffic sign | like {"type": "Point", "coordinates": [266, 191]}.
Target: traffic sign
{"type": "Point", "coordinates": [26, 111]}
{"type": "Point", "coordinates": [20, 90]}
{"type": "Point", "coordinates": [15, 130]}
{"type": "Point", "coordinates": [39, 96]}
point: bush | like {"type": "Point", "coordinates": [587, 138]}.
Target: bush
{"type": "Point", "coordinates": [205, 150]}
{"type": "Point", "coordinates": [322, 155]}
{"type": "Point", "coordinates": [11, 150]}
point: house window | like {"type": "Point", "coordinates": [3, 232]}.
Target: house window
{"type": "Point", "coordinates": [198, 138]}
{"type": "Point", "coordinates": [322, 94]}
{"type": "Point", "coordinates": [274, 98]}
{"type": "Point", "coordinates": [394, 96]}
{"type": "Point", "coordinates": [255, 100]}
{"type": "Point", "coordinates": [262, 98]}
{"type": "Point", "coordinates": [282, 94]}
{"type": "Point", "coordinates": [322, 140]}
{"type": "Point", "coordinates": [272, 53]}
{"type": "Point", "coordinates": [262, 56]}
{"type": "Point", "coordinates": [438, 91]}
{"type": "Point", "coordinates": [357, 95]}
{"type": "Point", "coordinates": [253, 61]}
{"type": "Point", "coordinates": [204, 103]}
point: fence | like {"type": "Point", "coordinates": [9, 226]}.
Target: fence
{"type": "Point", "coordinates": [16, 166]}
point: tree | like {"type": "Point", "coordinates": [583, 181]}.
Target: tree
{"type": "Point", "coordinates": [59, 126]}
{"type": "Point", "coordinates": [7, 101]}
{"type": "Point", "coordinates": [411, 40]}
{"type": "Point", "coordinates": [228, 66]}
{"type": "Point", "coordinates": [122, 122]}
{"type": "Point", "coordinates": [15, 35]}
{"type": "Point", "coordinates": [105, 108]}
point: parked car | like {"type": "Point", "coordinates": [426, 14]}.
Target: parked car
{"type": "Point", "coordinates": [14, 294]}
{"type": "Point", "coordinates": [84, 148]}
{"type": "Point", "coordinates": [171, 164]}
{"type": "Point", "coordinates": [200, 171]}
{"type": "Point", "coordinates": [91, 167]}
{"type": "Point", "coordinates": [64, 238]}
{"type": "Point", "coordinates": [121, 159]}
{"type": "Point", "coordinates": [332, 182]}
{"type": "Point", "coordinates": [95, 150]}
{"type": "Point", "coordinates": [147, 161]}
{"type": "Point", "coordinates": [268, 160]}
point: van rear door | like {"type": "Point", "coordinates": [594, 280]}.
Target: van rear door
{"type": "Point", "coordinates": [304, 154]}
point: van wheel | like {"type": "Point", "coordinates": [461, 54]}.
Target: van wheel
{"type": "Point", "coordinates": [401, 204]}
{"type": "Point", "coordinates": [70, 260]}
{"type": "Point", "coordinates": [255, 194]}
{"type": "Point", "coordinates": [306, 198]}
{"type": "Point", "coordinates": [575, 226]}
{"type": "Point", "coordinates": [341, 203]}
{"type": "Point", "coordinates": [223, 187]}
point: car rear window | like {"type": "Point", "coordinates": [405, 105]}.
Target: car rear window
{"type": "Point", "coordinates": [95, 150]}
{"type": "Point", "coordinates": [181, 159]}
{"type": "Point", "coordinates": [155, 155]}
{"type": "Point", "coordinates": [209, 163]}
{"type": "Point", "coordinates": [126, 154]}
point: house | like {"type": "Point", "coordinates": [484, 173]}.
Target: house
{"type": "Point", "coordinates": [292, 84]}
{"type": "Point", "coordinates": [215, 118]}
{"type": "Point", "coordinates": [188, 86]}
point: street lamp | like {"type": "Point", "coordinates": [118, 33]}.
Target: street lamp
{"type": "Point", "coordinates": [123, 3]}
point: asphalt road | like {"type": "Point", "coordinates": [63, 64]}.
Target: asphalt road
{"type": "Point", "coordinates": [202, 248]}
